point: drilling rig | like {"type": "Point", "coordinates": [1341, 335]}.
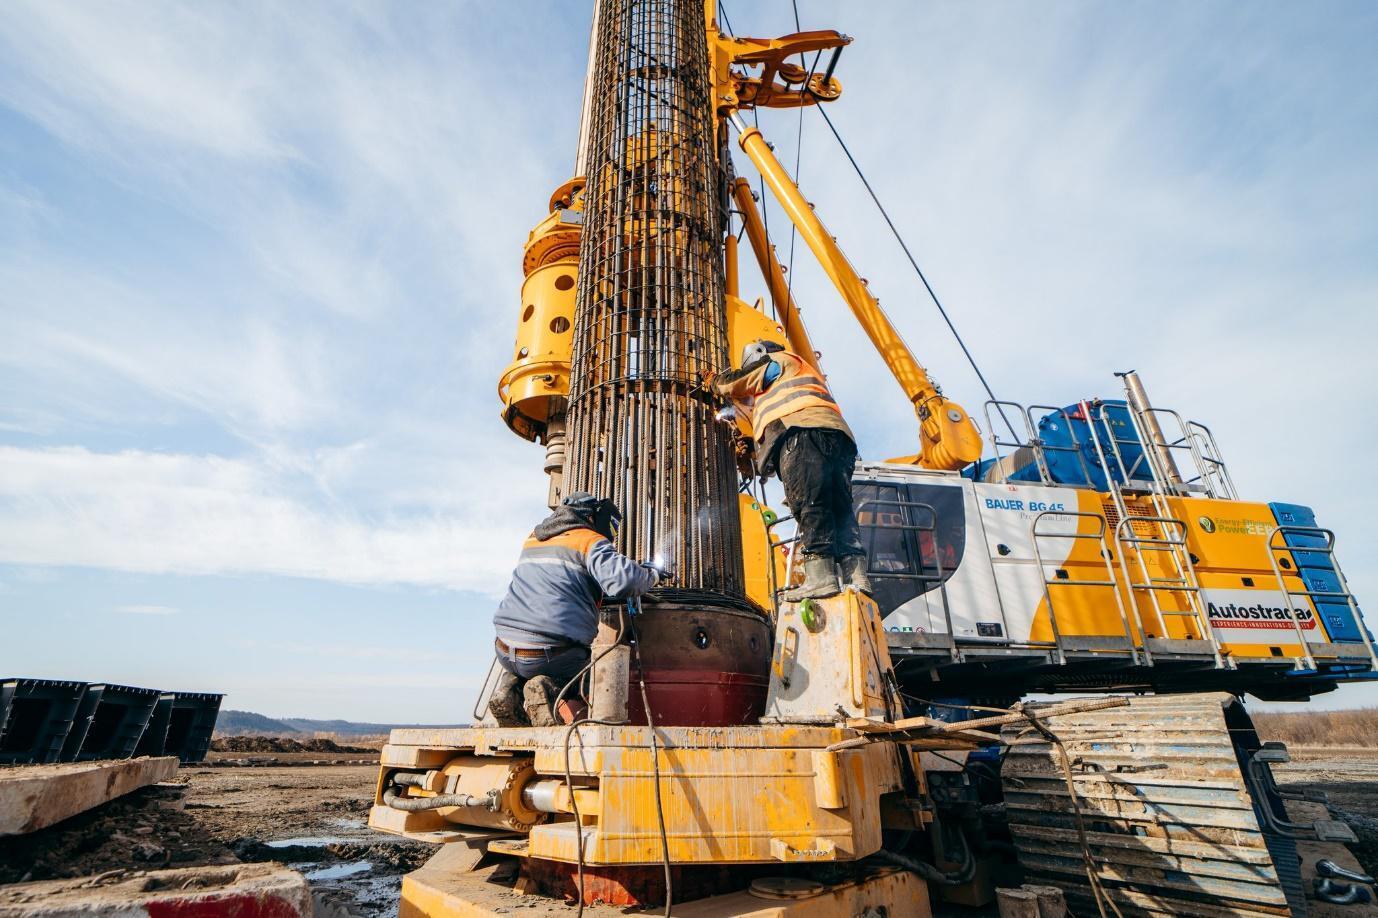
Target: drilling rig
{"type": "Point", "coordinates": [859, 755]}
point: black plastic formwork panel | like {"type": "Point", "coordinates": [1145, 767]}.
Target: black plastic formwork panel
{"type": "Point", "coordinates": [118, 720]}
{"type": "Point", "coordinates": [81, 723]}
{"type": "Point", "coordinates": [191, 724]}
{"type": "Point", "coordinates": [36, 717]}
{"type": "Point", "coordinates": [154, 738]}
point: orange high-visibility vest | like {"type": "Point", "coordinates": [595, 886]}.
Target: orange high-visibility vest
{"type": "Point", "coordinates": [796, 388]}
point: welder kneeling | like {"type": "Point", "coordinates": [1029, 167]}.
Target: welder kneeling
{"type": "Point", "coordinates": [549, 616]}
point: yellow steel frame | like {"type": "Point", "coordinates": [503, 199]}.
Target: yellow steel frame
{"type": "Point", "coordinates": [949, 438]}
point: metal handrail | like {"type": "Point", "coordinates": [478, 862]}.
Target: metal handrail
{"type": "Point", "coordinates": [1216, 458]}
{"type": "Point", "coordinates": [997, 442]}
{"type": "Point", "coordinates": [1034, 443]}
{"type": "Point", "coordinates": [1344, 592]}
{"type": "Point", "coordinates": [1099, 536]}
{"type": "Point", "coordinates": [1126, 472]}
{"type": "Point", "coordinates": [1206, 465]}
{"type": "Point", "coordinates": [1072, 432]}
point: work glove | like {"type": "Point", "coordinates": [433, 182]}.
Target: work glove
{"type": "Point", "coordinates": [662, 574]}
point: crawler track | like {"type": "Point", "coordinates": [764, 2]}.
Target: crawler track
{"type": "Point", "coordinates": [1169, 818]}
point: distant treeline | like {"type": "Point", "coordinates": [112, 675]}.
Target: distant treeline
{"type": "Point", "coordinates": [1354, 727]}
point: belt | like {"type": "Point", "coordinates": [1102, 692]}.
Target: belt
{"type": "Point", "coordinates": [525, 653]}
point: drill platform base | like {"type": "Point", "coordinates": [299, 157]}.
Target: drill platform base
{"type": "Point", "coordinates": [438, 890]}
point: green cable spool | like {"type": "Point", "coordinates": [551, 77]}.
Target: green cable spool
{"type": "Point", "coordinates": [811, 615]}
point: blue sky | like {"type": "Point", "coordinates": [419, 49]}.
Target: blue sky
{"type": "Point", "coordinates": [259, 267]}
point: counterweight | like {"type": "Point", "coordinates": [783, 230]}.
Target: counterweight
{"type": "Point", "coordinates": [649, 319]}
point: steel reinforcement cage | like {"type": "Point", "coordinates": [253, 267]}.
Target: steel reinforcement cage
{"type": "Point", "coordinates": [649, 320]}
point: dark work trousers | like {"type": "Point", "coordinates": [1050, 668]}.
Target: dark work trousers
{"type": "Point", "coordinates": [561, 663]}
{"type": "Point", "coordinates": [815, 466]}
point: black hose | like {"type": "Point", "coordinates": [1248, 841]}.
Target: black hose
{"type": "Point", "coordinates": [655, 769]}
{"type": "Point", "coordinates": [621, 630]}
{"type": "Point", "coordinates": [414, 804]}
{"type": "Point", "coordinates": [927, 870]}
{"type": "Point", "coordinates": [574, 801]}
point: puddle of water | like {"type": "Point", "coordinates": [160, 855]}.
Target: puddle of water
{"type": "Point", "coordinates": [340, 871]}
{"type": "Point", "coordinates": [307, 841]}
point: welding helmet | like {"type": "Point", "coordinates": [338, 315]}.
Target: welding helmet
{"type": "Point", "coordinates": [758, 349]}
{"type": "Point", "coordinates": [600, 513]}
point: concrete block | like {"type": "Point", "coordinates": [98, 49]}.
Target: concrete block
{"type": "Point", "coordinates": [241, 890]}
{"type": "Point", "coordinates": [1017, 903]}
{"type": "Point", "coordinates": [33, 797]}
{"type": "Point", "coordinates": [1051, 901]}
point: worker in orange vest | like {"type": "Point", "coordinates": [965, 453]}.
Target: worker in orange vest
{"type": "Point", "coordinates": [549, 616]}
{"type": "Point", "coordinates": [799, 433]}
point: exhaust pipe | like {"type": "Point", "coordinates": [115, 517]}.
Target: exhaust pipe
{"type": "Point", "coordinates": [1143, 410]}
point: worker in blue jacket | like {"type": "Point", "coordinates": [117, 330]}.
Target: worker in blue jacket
{"type": "Point", "coordinates": [549, 617]}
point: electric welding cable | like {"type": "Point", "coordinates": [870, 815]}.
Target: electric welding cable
{"type": "Point", "coordinates": [655, 765]}
{"type": "Point", "coordinates": [622, 621]}
{"type": "Point", "coordinates": [1092, 875]}
{"type": "Point", "coordinates": [915, 265]}
{"type": "Point", "coordinates": [621, 630]}
{"type": "Point", "coordinates": [574, 801]}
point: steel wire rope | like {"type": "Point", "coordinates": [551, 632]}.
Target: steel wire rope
{"type": "Point", "coordinates": [1098, 891]}
{"type": "Point", "coordinates": [913, 262]}
{"type": "Point", "coordinates": [798, 150]}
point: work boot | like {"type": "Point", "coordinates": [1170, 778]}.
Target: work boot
{"type": "Point", "coordinates": [820, 580]}
{"type": "Point", "coordinates": [540, 691]}
{"type": "Point", "coordinates": [854, 573]}
{"type": "Point", "coordinates": [506, 702]}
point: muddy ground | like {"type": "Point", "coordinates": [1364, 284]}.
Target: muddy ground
{"type": "Point", "coordinates": [263, 808]}
{"type": "Point", "coordinates": [280, 807]}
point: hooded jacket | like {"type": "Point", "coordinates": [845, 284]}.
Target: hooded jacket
{"type": "Point", "coordinates": [565, 570]}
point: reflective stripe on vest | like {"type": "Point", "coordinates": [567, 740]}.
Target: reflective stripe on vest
{"type": "Point", "coordinates": [797, 388]}
{"type": "Point", "coordinates": [572, 545]}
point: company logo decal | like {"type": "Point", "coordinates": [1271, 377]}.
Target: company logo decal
{"type": "Point", "coordinates": [1238, 527]}
{"type": "Point", "coordinates": [1264, 609]}
{"type": "Point", "coordinates": [1031, 506]}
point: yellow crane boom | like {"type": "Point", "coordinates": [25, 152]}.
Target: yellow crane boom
{"type": "Point", "coordinates": [948, 437]}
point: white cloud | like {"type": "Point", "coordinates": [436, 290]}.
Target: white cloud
{"type": "Point", "coordinates": [155, 513]}
{"type": "Point", "coordinates": [259, 263]}
{"type": "Point", "coordinates": [144, 609]}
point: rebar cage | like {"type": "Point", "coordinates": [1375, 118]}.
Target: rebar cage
{"type": "Point", "coordinates": [649, 320]}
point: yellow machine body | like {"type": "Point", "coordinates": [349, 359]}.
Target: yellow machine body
{"type": "Point", "coordinates": [1126, 577]}
{"type": "Point", "coordinates": [783, 793]}
{"type": "Point", "coordinates": [536, 383]}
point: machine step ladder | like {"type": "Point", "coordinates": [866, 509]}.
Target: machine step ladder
{"type": "Point", "coordinates": [1160, 536]}
{"type": "Point", "coordinates": [1083, 643]}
